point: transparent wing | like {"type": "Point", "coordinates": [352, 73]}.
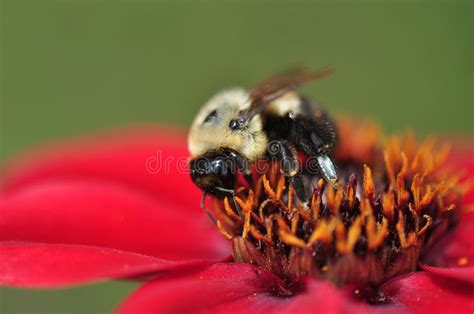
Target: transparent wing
{"type": "Point", "coordinates": [280, 84]}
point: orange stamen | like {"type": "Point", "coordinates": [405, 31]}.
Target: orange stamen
{"type": "Point", "coordinates": [401, 197]}
{"type": "Point", "coordinates": [230, 212]}
{"type": "Point", "coordinates": [224, 232]}
{"type": "Point", "coordinates": [369, 187]}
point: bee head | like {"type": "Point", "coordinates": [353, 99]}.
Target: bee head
{"type": "Point", "coordinates": [214, 172]}
{"type": "Point", "coordinates": [219, 125]}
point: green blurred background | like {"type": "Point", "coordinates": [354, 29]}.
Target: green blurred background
{"type": "Point", "coordinates": [71, 67]}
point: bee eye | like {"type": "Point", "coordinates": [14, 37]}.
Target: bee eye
{"type": "Point", "coordinates": [211, 116]}
{"type": "Point", "coordinates": [236, 124]}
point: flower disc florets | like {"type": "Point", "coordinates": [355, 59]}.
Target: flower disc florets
{"type": "Point", "coordinates": [393, 201]}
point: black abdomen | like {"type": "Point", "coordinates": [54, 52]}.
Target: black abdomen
{"type": "Point", "coordinates": [277, 127]}
{"type": "Point", "coordinates": [311, 130]}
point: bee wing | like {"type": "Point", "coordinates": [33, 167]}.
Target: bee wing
{"type": "Point", "coordinates": [278, 85]}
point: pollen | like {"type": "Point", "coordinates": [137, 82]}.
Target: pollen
{"type": "Point", "coordinates": [463, 261]}
{"type": "Point", "coordinates": [395, 197]}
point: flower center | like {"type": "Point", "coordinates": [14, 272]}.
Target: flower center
{"type": "Point", "coordinates": [393, 201]}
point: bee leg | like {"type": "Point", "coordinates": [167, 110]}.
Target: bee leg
{"type": "Point", "coordinates": [300, 189]}
{"type": "Point", "coordinates": [284, 152]}
{"type": "Point", "coordinates": [316, 137]}
{"type": "Point", "coordinates": [327, 169]}
{"type": "Point", "coordinates": [232, 195]}
{"type": "Point", "coordinates": [208, 212]}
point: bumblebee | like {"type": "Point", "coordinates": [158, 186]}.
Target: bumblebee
{"type": "Point", "coordinates": [237, 127]}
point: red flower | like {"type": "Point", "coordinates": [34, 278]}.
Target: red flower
{"type": "Point", "coordinates": [112, 207]}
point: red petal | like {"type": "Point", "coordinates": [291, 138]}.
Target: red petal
{"type": "Point", "coordinates": [153, 160]}
{"type": "Point", "coordinates": [236, 288]}
{"type": "Point", "coordinates": [422, 293]}
{"type": "Point", "coordinates": [462, 157]}
{"type": "Point", "coordinates": [49, 265]}
{"type": "Point", "coordinates": [465, 274]}
{"type": "Point", "coordinates": [191, 294]}
{"type": "Point", "coordinates": [107, 215]}
{"type": "Point", "coordinates": [455, 249]}
{"type": "Point", "coordinates": [462, 152]}
{"type": "Point", "coordinates": [241, 288]}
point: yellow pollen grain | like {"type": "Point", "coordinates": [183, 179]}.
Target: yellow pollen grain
{"type": "Point", "coordinates": [463, 261]}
